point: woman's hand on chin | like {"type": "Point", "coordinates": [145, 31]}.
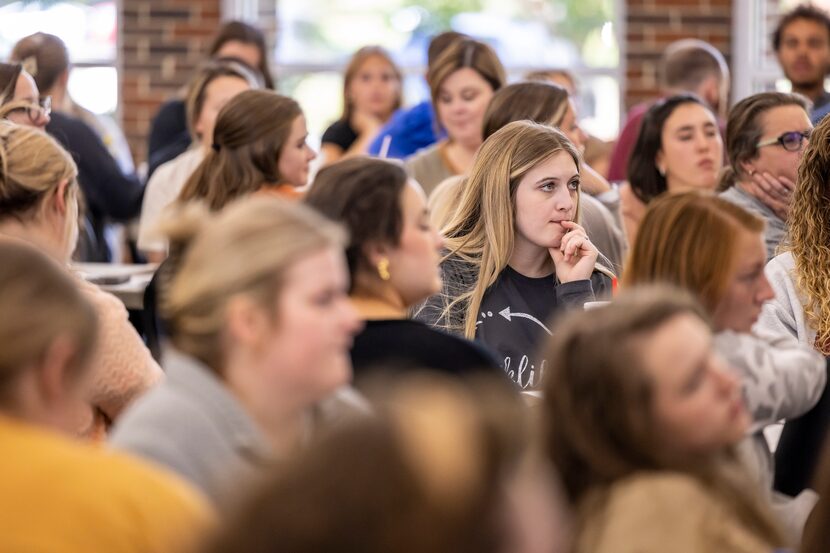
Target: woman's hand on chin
{"type": "Point", "coordinates": [575, 257]}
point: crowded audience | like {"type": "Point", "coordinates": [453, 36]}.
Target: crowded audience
{"type": "Point", "coordinates": [468, 326]}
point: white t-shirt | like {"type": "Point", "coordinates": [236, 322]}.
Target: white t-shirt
{"type": "Point", "coordinates": [162, 190]}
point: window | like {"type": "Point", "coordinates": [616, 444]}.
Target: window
{"type": "Point", "coordinates": [90, 32]}
{"type": "Point", "coordinates": [754, 67]}
{"type": "Point", "coordinates": [317, 38]}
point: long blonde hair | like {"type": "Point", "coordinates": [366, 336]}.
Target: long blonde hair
{"type": "Point", "coordinates": [244, 249]}
{"type": "Point", "coordinates": [481, 230]}
{"type": "Point", "coordinates": [809, 234]}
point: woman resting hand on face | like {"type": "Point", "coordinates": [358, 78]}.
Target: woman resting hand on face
{"type": "Point", "coordinates": [516, 257]}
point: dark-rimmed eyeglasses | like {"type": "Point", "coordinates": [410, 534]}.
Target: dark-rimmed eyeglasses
{"type": "Point", "coordinates": [35, 110]}
{"type": "Point", "coordinates": [791, 141]}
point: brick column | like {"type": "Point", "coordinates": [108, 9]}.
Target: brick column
{"type": "Point", "coordinates": [653, 24]}
{"type": "Point", "coordinates": [161, 43]}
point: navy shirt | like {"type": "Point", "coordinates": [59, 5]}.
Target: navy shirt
{"type": "Point", "coordinates": [515, 315]}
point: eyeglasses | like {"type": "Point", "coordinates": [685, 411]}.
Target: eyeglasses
{"type": "Point", "coordinates": [36, 111]}
{"type": "Point", "coordinates": [791, 141]}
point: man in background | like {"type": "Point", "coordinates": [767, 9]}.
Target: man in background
{"type": "Point", "coordinates": [688, 65]}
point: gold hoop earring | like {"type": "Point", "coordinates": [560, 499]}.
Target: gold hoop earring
{"type": "Point", "coordinates": [383, 269]}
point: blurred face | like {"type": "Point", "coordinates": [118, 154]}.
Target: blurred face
{"type": "Point", "coordinates": [748, 287]}
{"type": "Point", "coordinates": [774, 158]}
{"type": "Point", "coordinates": [375, 88]}
{"type": "Point", "coordinates": [244, 51]}
{"type": "Point", "coordinates": [571, 129]}
{"type": "Point", "coordinates": [804, 53]}
{"type": "Point", "coordinates": [217, 93]}
{"type": "Point", "coordinates": [462, 101]}
{"type": "Point", "coordinates": [27, 96]}
{"type": "Point", "coordinates": [296, 155]}
{"type": "Point", "coordinates": [546, 196]}
{"type": "Point", "coordinates": [691, 153]}
{"type": "Point", "coordinates": [307, 350]}
{"type": "Point", "coordinates": [413, 263]}
{"type": "Point", "coordinates": [697, 402]}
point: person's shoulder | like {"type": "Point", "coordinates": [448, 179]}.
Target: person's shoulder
{"type": "Point", "coordinates": [428, 154]}
{"type": "Point", "coordinates": [96, 476]}
{"type": "Point", "coordinates": [183, 164]}
{"type": "Point", "coordinates": [69, 123]}
{"type": "Point", "coordinates": [783, 262]}
{"type": "Point", "coordinates": [172, 107]}
{"type": "Point", "coordinates": [656, 486]}
{"type": "Point", "coordinates": [424, 346]}
{"type": "Point", "coordinates": [339, 133]}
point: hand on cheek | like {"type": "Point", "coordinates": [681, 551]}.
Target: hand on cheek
{"type": "Point", "coordinates": [575, 257]}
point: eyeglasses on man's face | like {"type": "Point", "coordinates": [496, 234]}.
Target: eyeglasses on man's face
{"type": "Point", "coordinates": [791, 141]}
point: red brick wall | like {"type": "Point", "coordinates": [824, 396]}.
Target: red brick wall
{"type": "Point", "coordinates": [652, 24]}
{"type": "Point", "coordinates": [162, 41]}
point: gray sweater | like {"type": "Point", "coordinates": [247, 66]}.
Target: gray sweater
{"type": "Point", "coordinates": [776, 229]}
{"type": "Point", "coordinates": [193, 425]}
{"type": "Point", "coordinates": [781, 379]}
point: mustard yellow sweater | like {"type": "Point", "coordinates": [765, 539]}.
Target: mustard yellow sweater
{"type": "Point", "coordinates": [60, 496]}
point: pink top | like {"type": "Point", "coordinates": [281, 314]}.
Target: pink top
{"type": "Point", "coordinates": [122, 366]}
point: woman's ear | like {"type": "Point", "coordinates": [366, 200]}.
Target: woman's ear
{"type": "Point", "coordinates": [375, 252]}
{"type": "Point", "coordinates": [246, 322]}
{"type": "Point", "coordinates": [659, 162]}
{"type": "Point", "coordinates": [748, 167]}
{"type": "Point", "coordinates": [53, 378]}
{"type": "Point", "coordinates": [59, 200]}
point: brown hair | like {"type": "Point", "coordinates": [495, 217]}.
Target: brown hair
{"type": "Point", "coordinates": [45, 56]}
{"type": "Point", "coordinates": [540, 102]}
{"type": "Point", "coordinates": [440, 42]}
{"type": "Point", "coordinates": [244, 249]}
{"type": "Point", "coordinates": [240, 31]}
{"type": "Point", "coordinates": [809, 234]}
{"type": "Point", "coordinates": [197, 88]}
{"type": "Point", "coordinates": [462, 53]}
{"type": "Point", "coordinates": [686, 63]}
{"type": "Point", "coordinates": [644, 178]}
{"type": "Point", "coordinates": [744, 131]}
{"type": "Point", "coordinates": [9, 73]}
{"type": "Point", "coordinates": [357, 61]}
{"type": "Point", "coordinates": [365, 195]}
{"type": "Point", "coordinates": [250, 133]}
{"type": "Point", "coordinates": [803, 11]}
{"type": "Point", "coordinates": [598, 416]}
{"type": "Point", "coordinates": [39, 303]}
{"type": "Point", "coordinates": [426, 476]}
{"type": "Point", "coordinates": [690, 240]}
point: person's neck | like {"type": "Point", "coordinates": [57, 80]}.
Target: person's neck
{"type": "Point", "coordinates": [530, 260]}
{"type": "Point", "coordinates": [812, 91]}
{"type": "Point", "coordinates": [373, 308]}
{"type": "Point", "coordinates": [462, 154]}
{"type": "Point", "coordinates": [283, 425]}
{"type": "Point", "coordinates": [674, 187]}
{"type": "Point", "coordinates": [60, 99]}
{"type": "Point", "coordinates": [35, 235]}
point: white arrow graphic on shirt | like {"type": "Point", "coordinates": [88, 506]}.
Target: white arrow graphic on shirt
{"type": "Point", "coordinates": [507, 314]}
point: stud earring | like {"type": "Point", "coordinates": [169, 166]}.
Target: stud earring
{"type": "Point", "coordinates": [383, 269]}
